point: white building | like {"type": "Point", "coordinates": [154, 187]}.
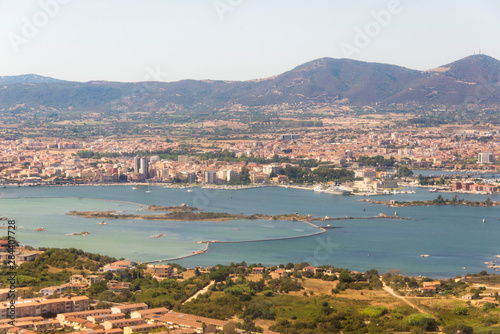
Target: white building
{"type": "Point", "coordinates": [486, 158]}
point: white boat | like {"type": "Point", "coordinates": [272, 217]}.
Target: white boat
{"type": "Point", "coordinates": [433, 190]}
{"type": "Point", "coordinates": [424, 255]}
{"type": "Point", "coordinates": [134, 188]}
{"type": "Point", "coordinates": [318, 188]}
{"type": "Point", "coordinates": [189, 190]}
{"type": "Point", "coordinates": [484, 220]}
{"type": "Point", "coordinates": [336, 190]}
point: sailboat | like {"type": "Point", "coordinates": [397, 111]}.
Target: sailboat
{"type": "Point", "coordinates": [484, 220]}
{"type": "Point", "coordinates": [149, 189]}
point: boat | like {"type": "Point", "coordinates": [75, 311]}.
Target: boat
{"type": "Point", "coordinates": [134, 188]}
{"type": "Point", "coordinates": [318, 188]}
{"type": "Point", "coordinates": [189, 190]}
{"type": "Point", "coordinates": [424, 255]}
{"type": "Point", "coordinates": [433, 190]}
{"type": "Point", "coordinates": [484, 220]}
{"type": "Point", "coordinates": [41, 229]}
{"type": "Point", "coordinates": [336, 190]}
{"type": "Point", "coordinates": [158, 235]}
{"type": "Point", "coordinates": [103, 223]}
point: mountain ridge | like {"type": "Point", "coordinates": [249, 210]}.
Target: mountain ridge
{"type": "Point", "coordinates": [323, 80]}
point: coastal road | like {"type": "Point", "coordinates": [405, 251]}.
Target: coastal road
{"type": "Point", "coordinates": [202, 291]}
{"type": "Point", "coordinates": [391, 291]}
{"type": "Point", "coordinates": [477, 285]}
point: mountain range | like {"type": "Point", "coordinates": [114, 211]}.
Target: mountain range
{"type": "Point", "coordinates": [474, 79]}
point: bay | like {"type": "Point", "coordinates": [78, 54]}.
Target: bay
{"type": "Point", "coordinates": [454, 237]}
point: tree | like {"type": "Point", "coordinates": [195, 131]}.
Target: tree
{"type": "Point", "coordinates": [220, 274]}
{"type": "Point", "coordinates": [97, 288]}
{"type": "Point", "coordinates": [488, 306]}
{"type": "Point", "coordinates": [345, 276]}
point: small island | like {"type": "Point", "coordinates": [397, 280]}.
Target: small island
{"type": "Point", "coordinates": [78, 233]}
{"type": "Point", "coordinates": [438, 201]}
{"type": "Point", "coordinates": [181, 208]}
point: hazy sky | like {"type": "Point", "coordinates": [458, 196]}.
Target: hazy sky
{"type": "Point", "coordinates": [170, 40]}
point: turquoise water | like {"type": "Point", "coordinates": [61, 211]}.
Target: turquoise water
{"type": "Point", "coordinates": [453, 236]}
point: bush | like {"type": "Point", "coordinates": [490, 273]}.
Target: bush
{"type": "Point", "coordinates": [488, 306]}
{"type": "Point", "coordinates": [267, 293]}
{"type": "Point", "coordinates": [375, 311]}
{"type": "Point", "coordinates": [460, 311]}
{"type": "Point", "coordinates": [422, 320]}
{"type": "Point", "coordinates": [457, 328]}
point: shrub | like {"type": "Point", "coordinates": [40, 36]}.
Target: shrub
{"type": "Point", "coordinates": [375, 311]}
{"type": "Point", "coordinates": [460, 311]}
{"type": "Point", "coordinates": [267, 293]}
{"type": "Point", "coordinates": [458, 328]}
{"type": "Point", "coordinates": [422, 320]}
{"type": "Point", "coordinates": [488, 306]}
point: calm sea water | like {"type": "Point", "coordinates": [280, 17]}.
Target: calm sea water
{"type": "Point", "coordinates": [454, 237]}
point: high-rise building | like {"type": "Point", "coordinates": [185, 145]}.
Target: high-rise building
{"type": "Point", "coordinates": [486, 158]}
{"type": "Point", "coordinates": [210, 177]}
{"type": "Point", "coordinates": [137, 164]}
{"type": "Point", "coordinates": [191, 178]}
{"type": "Point", "coordinates": [144, 168]}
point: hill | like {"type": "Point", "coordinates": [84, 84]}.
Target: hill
{"type": "Point", "coordinates": [473, 79]}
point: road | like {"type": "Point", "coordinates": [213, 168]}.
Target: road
{"type": "Point", "coordinates": [391, 291]}
{"type": "Point", "coordinates": [202, 291]}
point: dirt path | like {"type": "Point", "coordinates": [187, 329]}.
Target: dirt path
{"type": "Point", "coordinates": [202, 291]}
{"type": "Point", "coordinates": [391, 291]}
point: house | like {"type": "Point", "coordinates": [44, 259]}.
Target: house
{"type": "Point", "coordinates": [121, 323]}
{"type": "Point", "coordinates": [51, 290]}
{"type": "Point", "coordinates": [309, 268]}
{"type": "Point", "coordinates": [129, 308]}
{"type": "Point", "coordinates": [161, 272]}
{"type": "Point", "coordinates": [278, 273]}
{"type": "Point", "coordinates": [429, 289]}
{"type": "Point", "coordinates": [105, 317]}
{"type": "Point", "coordinates": [143, 313]}
{"type": "Point", "coordinates": [91, 279]}
{"type": "Point", "coordinates": [118, 266]}
{"type": "Point", "coordinates": [436, 284]}
{"type": "Point", "coordinates": [83, 314]}
{"type": "Point", "coordinates": [117, 286]}
{"type": "Point", "coordinates": [40, 307]}
{"type": "Point", "coordinates": [25, 257]}
{"type": "Point", "coordinates": [144, 328]}
{"type": "Point", "coordinates": [193, 322]}
{"type": "Point", "coordinates": [77, 279]}
{"type": "Point", "coordinates": [258, 270]}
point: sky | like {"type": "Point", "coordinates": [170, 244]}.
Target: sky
{"type": "Point", "coordinates": [171, 40]}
